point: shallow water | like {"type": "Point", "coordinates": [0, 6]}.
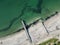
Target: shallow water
{"type": "Point", "coordinates": [10, 11]}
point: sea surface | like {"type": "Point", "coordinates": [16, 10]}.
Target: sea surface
{"type": "Point", "coordinates": [12, 11]}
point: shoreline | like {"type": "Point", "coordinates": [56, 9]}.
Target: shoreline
{"type": "Point", "coordinates": [20, 35]}
{"type": "Point", "coordinates": [28, 26]}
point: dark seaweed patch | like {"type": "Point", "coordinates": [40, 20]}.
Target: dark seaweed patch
{"type": "Point", "coordinates": [38, 8]}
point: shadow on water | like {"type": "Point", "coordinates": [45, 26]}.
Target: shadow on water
{"type": "Point", "coordinates": [16, 18]}
{"type": "Point", "coordinates": [38, 8]}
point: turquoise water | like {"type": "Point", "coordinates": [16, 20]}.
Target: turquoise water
{"type": "Point", "coordinates": [10, 11]}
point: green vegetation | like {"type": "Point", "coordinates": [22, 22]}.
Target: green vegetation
{"type": "Point", "coordinates": [11, 11]}
{"type": "Point", "coordinates": [53, 40]}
